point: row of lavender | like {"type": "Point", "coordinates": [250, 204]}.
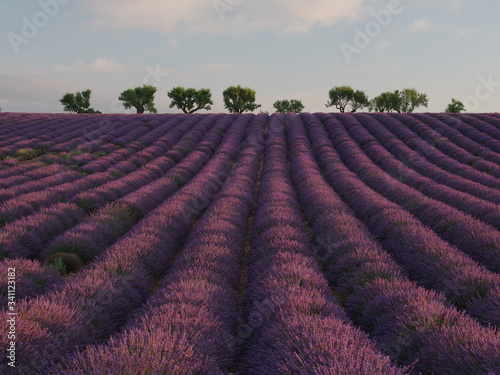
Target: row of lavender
{"type": "Point", "coordinates": [187, 325]}
{"type": "Point", "coordinates": [110, 217]}
{"type": "Point", "coordinates": [403, 155]}
{"type": "Point", "coordinates": [410, 323]}
{"type": "Point", "coordinates": [440, 150]}
{"type": "Point", "coordinates": [103, 227]}
{"type": "Point", "coordinates": [190, 324]}
{"type": "Point", "coordinates": [34, 196]}
{"type": "Point", "coordinates": [443, 214]}
{"type": "Point", "coordinates": [294, 322]}
{"type": "Point", "coordinates": [83, 193]}
{"type": "Point", "coordinates": [97, 301]}
{"type": "Point", "coordinates": [280, 257]}
{"type": "Point", "coordinates": [100, 145]}
{"type": "Point", "coordinates": [429, 259]}
{"type": "Point", "coordinates": [63, 132]}
{"type": "Point", "coordinates": [438, 344]}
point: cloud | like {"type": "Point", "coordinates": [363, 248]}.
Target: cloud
{"type": "Point", "coordinates": [384, 45]}
{"type": "Point", "coordinates": [235, 16]}
{"type": "Point", "coordinates": [100, 65]}
{"type": "Point", "coordinates": [394, 64]}
{"type": "Point", "coordinates": [64, 68]}
{"type": "Point", "coordinates": [456, 5]}
{"type": "Point", "coordinates": [103, 65]}
{"type": "Point", "coordinates": [422, 24]}
{"type": "Point", "coordinates": [35, 91]}
{"type": "Point", "coordinates": [219, 66]}
{"type": "Point", "coordinates": [356, 69]}
{"type": "Point", "coordinates": [173, 42]}
{"type": "Point", "coordinates": [458, 32]}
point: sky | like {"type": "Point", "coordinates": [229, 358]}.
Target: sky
{"type": "Point", "coordinates": [282, 49]}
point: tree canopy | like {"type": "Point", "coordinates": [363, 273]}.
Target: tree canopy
{"type": "Point", "coordinates": [342, 96]}
{"type": "Point", "coordinates": [359, 101]}
{"type": "Point", "coordinates": [404, 101]}
{"type": "Point", "coordinates": [141, 98]}
{"type": "Point", "coordinates": [386, 102]}
{"type": "Point", "coordinates": [285, 106]}
{"type": "Point", "coordinates": [411, 99]}
{"type": "Point", "coordinates": [455, 106]}
{"type": "Point", "coordinates": [239, 99]}
{"type": "Point", "coordinates": [190, 100]}
{"type": "Point", "coordinates": [78, 102]}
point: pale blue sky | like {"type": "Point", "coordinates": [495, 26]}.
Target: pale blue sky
{"type": "Point", "coordinates": [283, 49]}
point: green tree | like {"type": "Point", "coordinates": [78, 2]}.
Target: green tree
{"type": "Point", "coordinates": [239, 99]}
{"type": "Point", "coordinates": [141, 98]}
{"type": "Point", "coordinates": [359, 100]}
{"type": "Point", "coordinates": [285, 106]}
{"type": "Point", "coordinates": [400, 101]}
{"type": "Point", "coordinates": [190, 100]}
{"type": "Point", "coordinates": [386, 102]}
{"type": "Point", "coordinates": [342, 96]}
{"type": "Point", "coordinates": [411, 99]}
{"type": "Point", "coordinates": [78, 102]}
{"type": "Point", "coordinates": [455, 106]}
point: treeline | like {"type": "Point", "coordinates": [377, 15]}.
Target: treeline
{"type": "Point", "coordinates": [404, 101]}
{"type": "Point", "coordinates": [239, 99]}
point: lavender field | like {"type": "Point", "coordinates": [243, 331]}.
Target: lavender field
{"type": "Point", "coordinates": [324, 243]}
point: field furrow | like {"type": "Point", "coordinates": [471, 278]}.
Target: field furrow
{"type": "Point", "coordinates": [183, 244]}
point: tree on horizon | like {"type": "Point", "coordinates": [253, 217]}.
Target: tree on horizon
{"type": "Point", "coordinates": [404, 101]}
{"type": "Point", "coordinates": [342, 96]}
{"type": "Point", "coordinates": [239, 99]}
{"type": "Point", "coordinates": [285, 106]}
{"type": "Point", "coordinates": [141, 98]}
{"type": "Point", "coordinates": [190, 100]}
{"type": "Point", "coordinates": [78, 102]}
{"type": "Point", "coordinates": [455, 106]}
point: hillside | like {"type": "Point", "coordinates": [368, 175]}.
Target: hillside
{"type": "Point", "coordinates": [324, 243]}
